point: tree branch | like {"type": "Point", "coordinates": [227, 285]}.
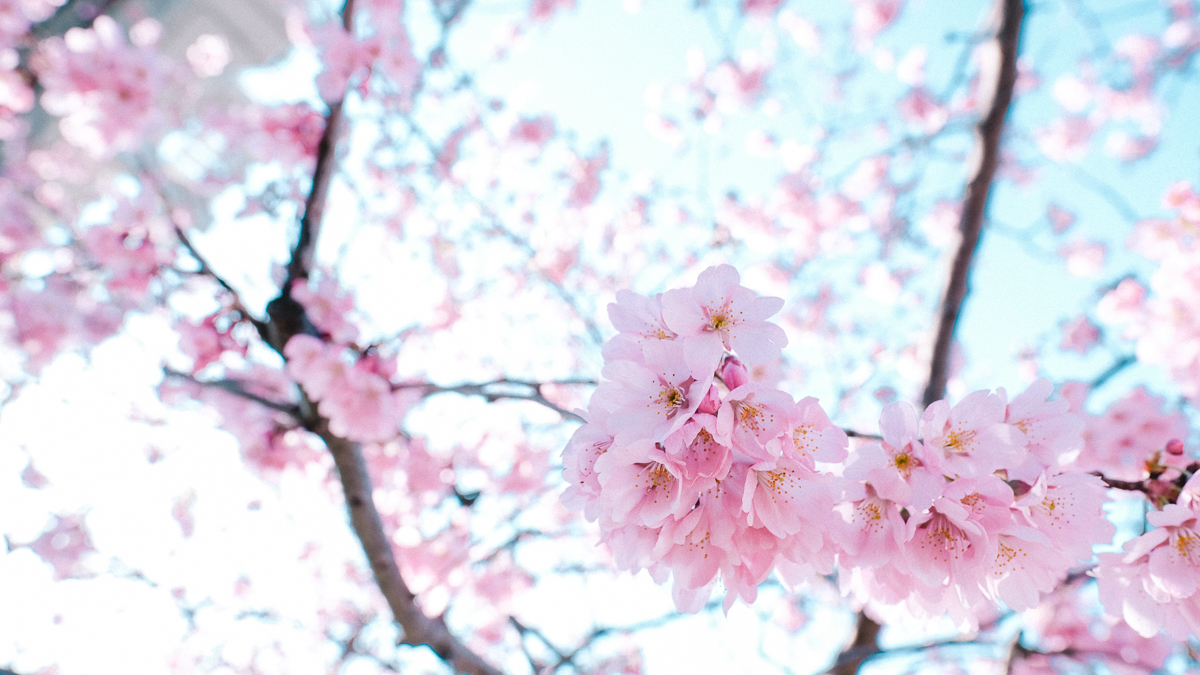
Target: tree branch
{"type": "Point", "coordinates": [205, 268]}
{"type": "Point", "coordinates": [990, 131]}
{"type": "Point", "coordinates": [1121, 364]}
{"type": "Point", "coordinates": [237, 389]}
{"type": "Point", "coordinates": [287, 316]}
{"type": "Point", "coordinates": [368, 526]}
{"type": "Point", "coordinates": [501, 389]}
{"type": "Point", "coordinates": [861, 649]}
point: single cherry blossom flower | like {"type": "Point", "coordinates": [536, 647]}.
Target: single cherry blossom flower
{"type": "Point", "coordinates": [638, 320]}
{"type": "Point", "coordinates": [718, 314]}
{"type": "Point", "coordinates": [972, 436]}
{"type": "Point", "coordinates": [651, 400]}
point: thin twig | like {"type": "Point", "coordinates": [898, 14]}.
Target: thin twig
{"type": "Point", "coordinates": [858, 434]}
{"type": "Point", "coordinates": [237, 389]}
{"type": "Point", "coordinates": [526, 630]}
{"type": "Point", "coordinates": [495, 390]}
{"type": "Point", "coordinates": [205, 268]}
{"type": "Point", "coordinates": [1121, 364]}
{"type": "Point", "coordinates": [598, 633]}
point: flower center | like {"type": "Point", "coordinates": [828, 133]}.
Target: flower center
{"type": "Point", "coordinates": [957, 441]}
{"type": "Point", "coordinates": [672, 398]}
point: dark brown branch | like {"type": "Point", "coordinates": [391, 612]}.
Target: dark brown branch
{"type": "Point", "coordinates": [286, 315]}
{"type": "Point", "coordinates": [286, 319]}
{"type": "Point", "coordinates": [1154, 487]}
{"type": "Point", "coordinates": [1129, 485]}
{"type": "Point", "coordinates": [314, 205]}
{"type": "Point", "coordinates": [990, 131]}
{"type": "Point", "coordinates": [418, 628]}
{"type": "Point", "coordinates": [861, 649]}
{"type": "Point", "coordinates": [858, 434]}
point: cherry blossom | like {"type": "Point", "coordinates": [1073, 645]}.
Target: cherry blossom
{"type": "Point", "coordinates": [719, 314]}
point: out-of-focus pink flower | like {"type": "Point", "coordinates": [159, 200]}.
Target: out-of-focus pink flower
{"type": "Point", "coordinates": [1079, 335]}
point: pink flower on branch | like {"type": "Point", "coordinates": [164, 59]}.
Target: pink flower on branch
{"type": "Point", "coordinates": [719, 314]}
{"type": "Point", "coordinates": [655, 399]}
{"type": "Point", "coordinates": [1154, 584]}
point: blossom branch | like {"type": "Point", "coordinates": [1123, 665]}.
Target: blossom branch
{"type": "Point", "coordinates": [990, 131]}
{"type": "Point", "coordinates": [1153, 487]}
{"type": "Point", "coordinates": [205, 268]}
{"type": "Point", "coordinates": [237, 389]}
{"type": "Point", "coordinates": [287, 316]}
{"type": "Point", "coordinates": [418, 628]}
{"type": "Point", "coordinates": [524, 630]}
{"type": "Point", "coordinates": [504, 388]}
{"type": "Point", "coordinates": [1121, 364]}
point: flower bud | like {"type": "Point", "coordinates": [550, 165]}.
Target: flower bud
{"type": "Point", "coordinates": [733, 373]}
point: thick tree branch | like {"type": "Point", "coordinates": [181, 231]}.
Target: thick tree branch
{"type": "Point", "coordinates": [990, 131]}
{"type": "Point", "coordinates": [418, 628]}
{"type": "Point", "coordinates": [314, 206]}
{"type": "Point", "coordinates": [861, 649]}
{"type": "Point", "coordinates": [287, 318]}
{"type": "Point", "coordinates": [286, 315]}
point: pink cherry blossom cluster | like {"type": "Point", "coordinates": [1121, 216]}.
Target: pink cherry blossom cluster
{"type": "Point", "coordinates": [691, 468]}
{"type": "Point", "coordinates": [1155, 583]}
{"type": "Point", "coordinates": [695, 471]}
{"type": "Point", "coordinates": [1123, 441]}
{"type": "Point", "coordinates": [974, 511]}
{"type": "Point", "coordinates": [106, 90]}
{"type": "Point", "coordinates": [355, 395]}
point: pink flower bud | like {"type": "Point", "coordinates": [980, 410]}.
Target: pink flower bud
{"type": "Point", "coordinates": [1174, 447]}
{"type": "Point", "coordinates": [733, 373]}
{"type": "Point", "coordinates": [712, 401]}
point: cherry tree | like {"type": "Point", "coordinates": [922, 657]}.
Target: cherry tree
{"type": "Point", "coordinates": [865, 336]}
